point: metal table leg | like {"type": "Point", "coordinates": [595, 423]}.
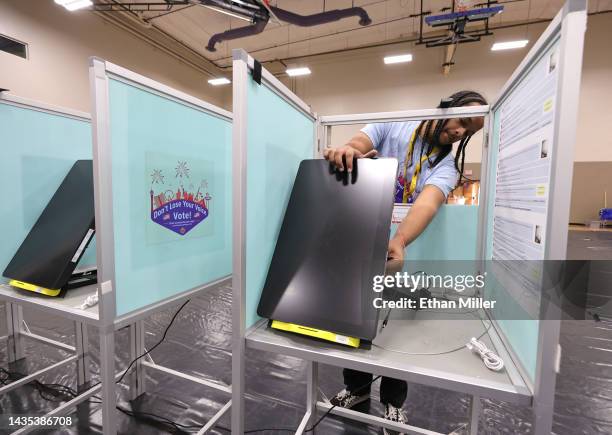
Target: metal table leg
{"type": "Point", "coordinates": [14, 319]}
{"type": "Point", "coordinates": [475, 415]}
{"type": "Point", "coordinates": [82, 353]}
{"type": "Point", "coordinates": [137, 348]}
{"type": "Point", "coordinates": [107, 378]}
{"type": "Point", "coordinates": [312, 389]}
{"type": "Point", "coordinates": [81, 347]}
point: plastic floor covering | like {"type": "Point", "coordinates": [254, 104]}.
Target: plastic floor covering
{"type": "Point", "coordinates": [199, 343]}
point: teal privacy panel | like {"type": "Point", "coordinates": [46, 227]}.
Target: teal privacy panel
{"type": "Point", "coordinates": [171, 176]}
{"type": "Point", "coordinates": [37, 150]}
{"type": "Point", "coordinates": [451, 235]}
{"type": "Point", "coordinates": [516, 285]}
{"type": "Point", "coordinates": [279, 137]}
{"type": "Point", "coordinates": [448, 244]}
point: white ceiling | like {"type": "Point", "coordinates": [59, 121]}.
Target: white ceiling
{"type": "Point", "coordinates": [194, 25]}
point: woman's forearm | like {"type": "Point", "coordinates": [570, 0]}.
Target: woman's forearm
{"type": "Point", "coordinates": [361, 142]}
{"type": "Point", "coordinates": [420, 215]}
{"type": "Point", "coordinates": [414, 223]}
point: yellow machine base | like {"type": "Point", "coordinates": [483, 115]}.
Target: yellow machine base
{"type": "Point", "coordinates": [318, 333]}
{"type": "Point", "coordinates": [34, 288]}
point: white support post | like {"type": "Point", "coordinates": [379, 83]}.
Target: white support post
{"type": "Point", "coordinates": [14, 319]}
{"type": "Point", "coordinates": [571, 48]}
{"type": "Point", "coordinates": [312, 388]}
{"type": "Point", "coordinates": [328, 138]}
{"type": "Point", "coordinates": [105, 244]}
{"type": "Point", "coordinates": [137, 348]}
{"type": "Point", "coordinates": [140, 367]}
{"type": "Point", "coordinates": [133, 377]}
{"type": "Point", "coordinates": [476, 408]}
{"type": "Point", "coordinates": [81, 345]}
{"type": "Point", "coordinates": [240, 77]}
{"type": "Point", "coordinates": [107, 378]}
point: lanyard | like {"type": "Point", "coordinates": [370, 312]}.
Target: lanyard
{"type": "Point", "coordinates": [410, 188]}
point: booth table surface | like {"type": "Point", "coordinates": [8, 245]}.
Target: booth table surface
{"type": "Point", "coordinates": [67, 306]}
{"type": "Point", "coordinates": [461, 370]}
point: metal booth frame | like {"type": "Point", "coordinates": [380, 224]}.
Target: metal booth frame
{"type": "Point", "coordinates": [103, 315]}
{"type": "Point", "coordinates": [100, 73]}
{"type": "Point", "coordinates": [242, 63]}
{"type": "Point", "coordinates": [14, 302]}
{"type": "Point", "coordinates": [258, 337]}
{"type": "Point", "coordinates": [569, 25]}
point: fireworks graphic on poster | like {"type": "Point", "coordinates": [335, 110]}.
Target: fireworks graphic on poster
{"type": "Point", "coordinates": [182, 170]}
{"type": "Point", "coordinates": [157, 177]}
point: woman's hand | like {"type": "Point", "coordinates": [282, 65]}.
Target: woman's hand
{"type": "Point", "coordinates": [346, 153]}
{"type": "Point", "coordinates": [396, 250]}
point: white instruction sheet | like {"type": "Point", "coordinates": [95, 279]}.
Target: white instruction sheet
{"type": "Point", "coordinates": [525, 146]}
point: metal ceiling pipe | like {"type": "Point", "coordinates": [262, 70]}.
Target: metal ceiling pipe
{"type": "Point", "coordinates": [253, 14]}
{"type": "Point", "coordinates": [322, 17]}
{"type": "Point", "coordinates": [283, 15]}
{"type": "Point", "coordinates": [240, 32]}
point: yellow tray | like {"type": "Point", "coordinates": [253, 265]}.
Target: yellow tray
{"type": "Point", "coordinates": [34, 288]}
{"type": "Point", "coordinates": [318, 333]}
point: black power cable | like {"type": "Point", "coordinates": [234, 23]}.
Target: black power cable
{"type": "Point", "coordinates": [333, 406]}
{"type": "Point", "coordinates": [158, 343]}
{"type": "Point", "coordinates": [67, 392]}
{"type": "Point", "coordinates": [58, 390]}
{"type": "Point", "coordinates": [313, 427]}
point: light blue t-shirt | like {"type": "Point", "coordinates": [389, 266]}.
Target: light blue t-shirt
{"type": "Point", "coordinates": [391, 139]}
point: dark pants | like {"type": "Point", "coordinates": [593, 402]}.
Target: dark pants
{"type": "Point", "coordinates": [392, 391]}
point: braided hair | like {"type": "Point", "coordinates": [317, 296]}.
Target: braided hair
{"type": "Point", "coordinates": [458, 99]}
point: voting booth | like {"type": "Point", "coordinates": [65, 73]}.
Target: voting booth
{"type": "Point", "coordinates": [41, 142]}
{"type": "Point", "coordinates": [162, 190]}
{"type": "Point", "coordinates": [162, 194]}
{"type": "Point", "coordinates": [529, 135]}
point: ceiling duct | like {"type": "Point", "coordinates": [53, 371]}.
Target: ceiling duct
{"type": "Point", "coordinates": [260, 16]}
{"type": "Point", "coordinates": [322, 17]}
{"type": "Point", "coordinates": [240, 32]}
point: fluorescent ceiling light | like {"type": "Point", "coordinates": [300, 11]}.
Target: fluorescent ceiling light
{"type": "Point", "coordinates": [231, 14]}
{"type": "Point", "coordinates": [78, 5]}
{"type": "Point", "coordinates": [219, 81]}
{"type": "Point", "coordinates": [73, 5]}
{"type": "Point", "coordinates": [398, 59]}
{"type": "Point", "coordinates": [508, 45]}
{"type": "Point", "coordinates": [293, 72]}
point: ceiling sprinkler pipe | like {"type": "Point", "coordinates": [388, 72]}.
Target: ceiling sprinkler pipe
{"type": "Point", "coordinates": [240, 32]}
{"type": "Point", "coordinates": [322, 17]}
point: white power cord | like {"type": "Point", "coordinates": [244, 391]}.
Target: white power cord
{"type": "Point", "coordinates": [90, 301]}
{"type": "Point", "coordinates": [490, 358]}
